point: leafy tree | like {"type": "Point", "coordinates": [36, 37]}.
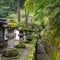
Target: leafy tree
{"type": "Point", "coordinates": [7, 6]}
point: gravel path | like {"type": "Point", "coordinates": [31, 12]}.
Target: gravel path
{"type": "Point", "coordinates": [25, 52]}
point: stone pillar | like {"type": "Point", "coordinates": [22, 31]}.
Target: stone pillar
{"type": "Point", "coordinates": [5, 33]}
{"type": "Point", "coordinates": [24, 36]}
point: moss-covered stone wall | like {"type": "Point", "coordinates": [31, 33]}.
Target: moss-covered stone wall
{"type": "Point", "coordinates": [51, 36]}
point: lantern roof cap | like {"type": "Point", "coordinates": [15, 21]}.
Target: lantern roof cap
{"type": "Point", "coordinates": [2, 20]}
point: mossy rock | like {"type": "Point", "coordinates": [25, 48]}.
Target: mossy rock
{"type": "Point", "coordinates": [11, 52]}
{"type": "Point", "coordinates": [51, 35]}
{"type": "Point", "coordinates": [12, 25]}
{"type": "Point", "coordinates": [22, 29]}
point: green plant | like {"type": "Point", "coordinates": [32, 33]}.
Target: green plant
{"type": "Point", "coordinates": [26, 41]}
{"type": "Point", "coordinates": [22, 45]}
{"type": "Point", "coordinates": [34, 35]}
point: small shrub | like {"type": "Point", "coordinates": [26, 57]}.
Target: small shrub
{"type": "Point", "coordinates": [29, 38]}
{"type": "Point", "coordinates": [26, 41]}
{"type": "Point", "coordinates": [10, 53]}
{"type": "Point", "coordinates": [22, 45]}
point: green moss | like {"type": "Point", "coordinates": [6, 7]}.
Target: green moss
{"type": "Point", "coordinates": [31, 54]}
{"type": "Point", "coordinates": [20, 45]}
{"type": "Point", "coordinates": [12, 25]}
{"type": "Point", "coordinates": [10, 53]}
{"type": "Point", "coordinates": [54, 13]}
{"type": "Point", "coordinates": [25, 29]}
{"type": "Point", "coordinates": [58, 55]}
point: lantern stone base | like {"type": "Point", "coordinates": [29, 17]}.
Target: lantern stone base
{"type": "Point", "coordinates": [11, 43]}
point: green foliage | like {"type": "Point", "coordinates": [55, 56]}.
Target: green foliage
{"type": "Point", "coordinates": [34, 35]}
{"type": "Point", "coordinates": [29, 4]}
{"type": "Point", "coordinates": [7, 6]}
{"type": "Point", "coordinates": [24, 29]}
{"type": "Point", "coordinates": [12, 23]}
{"type": "Point", "coordinates": [12, 16]}
{"type": "Point", "coordinates": [41, 9]}
{"type": "Point", "coordinates": [22, 45]}
{"type": "Point", "coordinates": [54, 13]}
{"type": "Point", "coordinates": [4, 11]}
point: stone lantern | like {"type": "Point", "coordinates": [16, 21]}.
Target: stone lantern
{"type": "Point", "coordinates": [10, 35]}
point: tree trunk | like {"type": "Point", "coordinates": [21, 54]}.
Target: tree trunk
{"type": "Point", "coordinates": [26, 18]}
{"type": "Point", "coordinates": [18, 11]}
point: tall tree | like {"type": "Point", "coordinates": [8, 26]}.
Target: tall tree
{"type": "Point", "coordinates": [18, 11]}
